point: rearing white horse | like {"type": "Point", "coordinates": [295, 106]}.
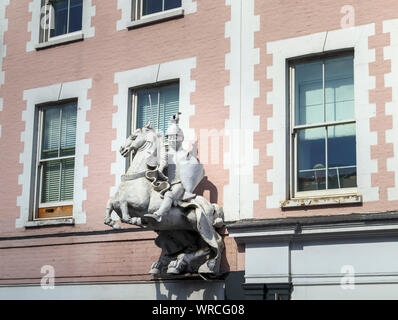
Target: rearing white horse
{"type": "Point", "coordinates": [187, 234]}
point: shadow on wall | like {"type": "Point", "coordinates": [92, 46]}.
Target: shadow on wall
{"type": "Point", "coordinates": [206, 185]}
{"type": "Point", "coordinates": [224, 267]}
{"type": "Point", "coordinates": [189, 290]}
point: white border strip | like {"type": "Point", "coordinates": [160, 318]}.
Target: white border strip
{"type": "Point", "coordinates": [76, 89]}
{"type": "Point", "coordinates": [239, 95]}
{"type": "Point", "coordinates": [355, 37]}
{"type": "Point", "coordinates": [179, 69]}
{"type": "Point", "coordinates": [391, 80]}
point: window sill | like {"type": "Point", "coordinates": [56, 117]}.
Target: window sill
{"type": "Point", "coordinates": [73, 37]}
{"type": "Point", "coordinates": [322, 201]}
{"type": "Point", "coordinates": [167, 15]}
{"type": "Point", "coordinates": [50, 222]}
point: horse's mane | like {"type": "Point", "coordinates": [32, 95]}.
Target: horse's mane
{"type": "Point", "coordinates": [153, 138]}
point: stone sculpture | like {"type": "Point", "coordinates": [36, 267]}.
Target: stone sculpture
{"type": "Point", "coordinates": [157, 193]}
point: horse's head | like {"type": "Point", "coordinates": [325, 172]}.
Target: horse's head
{"type": "Point", "coordinates": [139, 139]}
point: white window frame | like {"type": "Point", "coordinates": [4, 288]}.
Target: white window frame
{"type": "Point", "coordinates": [38, 174]}
{"type": "Point", "coordinates": [314, 44]}
{"type": "Point", "coordinates": [77, 90]}
{"type": "Point", "coordinates": [294, 129]}
{"type": "Point", "coordinates": [38, 42]}
{"type": "Point", "coordinates": [138, 7]}
{"type": "Point", "coordinates": [62, 36]}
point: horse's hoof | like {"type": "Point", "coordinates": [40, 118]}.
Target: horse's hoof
{"type": "Point", "coordinates": [173, 271]}
{"type": "Point", "coordinates": [154, 271]}
{"type": "Point", "coordinates": [116, 226]}
{"type": "Point", "coordinates": [136, 221]}
{"type": "Point", "coordinates": [155, 268]}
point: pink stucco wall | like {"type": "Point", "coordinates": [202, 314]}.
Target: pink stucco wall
{"type": "Point", "coordinates": [282, 20]}
{"type": "Point", "coordinates": [127, 256]}
{"type": "Point", "coordinates": [121, 256]}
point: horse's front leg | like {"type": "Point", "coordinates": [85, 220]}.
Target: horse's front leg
{"type": "Point", "coordinates": [108, 219]}
{"type": "Point", "coordinates": [125, 212]}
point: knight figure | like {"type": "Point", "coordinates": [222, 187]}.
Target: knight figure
{"type": "Point", "coordinates": [157, 193]}
{"type": "Point", "coordinates": [184, 172]}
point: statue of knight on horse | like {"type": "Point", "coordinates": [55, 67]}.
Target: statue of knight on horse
{"type": "Point", "coordinates": [157, 193]}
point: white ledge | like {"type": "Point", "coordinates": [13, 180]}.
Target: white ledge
{"type": "Point", "coordinates": [170, 14]}
{"type": "Point", "coordinates": [50, 222]}
{"type": "Point", "coordinates": [322, 201]}
{"type": "Point", "coordinates": [72, 37]}
{"type": "Point", "coordinates": [318, 231]}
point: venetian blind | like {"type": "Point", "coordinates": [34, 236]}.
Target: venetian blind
{"type": "Point", "coordinates": [165, 103]}
{"type": "Point", "coordinates": [57, 154]}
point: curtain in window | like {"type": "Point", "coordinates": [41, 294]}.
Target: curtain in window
{"type": "Point", "coordinates": [68, 130]}
{"type": "Point", "coordinates": [51, 124]}
{"type": "Point", "coordinates": [50, 181]}
{"type": "Point", "coordinates": [165, 103]}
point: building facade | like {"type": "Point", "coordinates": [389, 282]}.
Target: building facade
{"type": "Point", "coordinates": [290, 106]}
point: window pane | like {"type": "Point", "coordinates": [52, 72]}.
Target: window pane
{"type": "Point", "coordinates": [342, 156]}
{"type": "Point", "coordinates": [75, 15]}
{"type": "Point", "coordinates": [144, 110]}
{"type": "Point", "coordinates": [169, 105]}
{"type": "Point", "coordinates": [50, 181]}
{"type": "Point", "coordinates": [61, 17]}
{"type": "Point", "coordinates": [68, 129]}
{"type": "Point", "coordinates": [151, 6]}
{"type": "Point", "coordinates": [51, 126]}
{"type": "Point", "coordinates": [67, 174]}
{"type": "Point", "coordinates": [311, 159]}
{"type": "Point", "coordinates": [339, 89]}
{"type": "Point", "coordinates": [309, 93]}
{"type": "Point", "coordinates": [170, 4]}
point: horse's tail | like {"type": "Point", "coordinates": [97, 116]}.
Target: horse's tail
{"type": "Point", "coordinates": [218, 216]}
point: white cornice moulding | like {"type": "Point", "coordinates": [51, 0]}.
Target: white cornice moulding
{"type": "Point", "coordinates": [298, 231]}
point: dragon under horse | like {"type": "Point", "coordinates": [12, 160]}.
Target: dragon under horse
{"type": "Point", "coordinates": [160, 183]}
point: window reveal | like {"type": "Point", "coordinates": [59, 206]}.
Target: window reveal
{"type": "Point", "coordinates": [56, 159]}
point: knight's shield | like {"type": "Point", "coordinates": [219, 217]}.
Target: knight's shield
{"type": "Point", "coordinates": [191, 173]}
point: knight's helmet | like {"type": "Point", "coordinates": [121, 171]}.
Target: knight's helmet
{"type": "Point", "coordinates": [174, 133]}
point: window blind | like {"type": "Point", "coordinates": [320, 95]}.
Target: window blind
{"type": "Point", "coordinates": [57, 154]}
{"type": "Point", "coordinates": [165, 103]}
